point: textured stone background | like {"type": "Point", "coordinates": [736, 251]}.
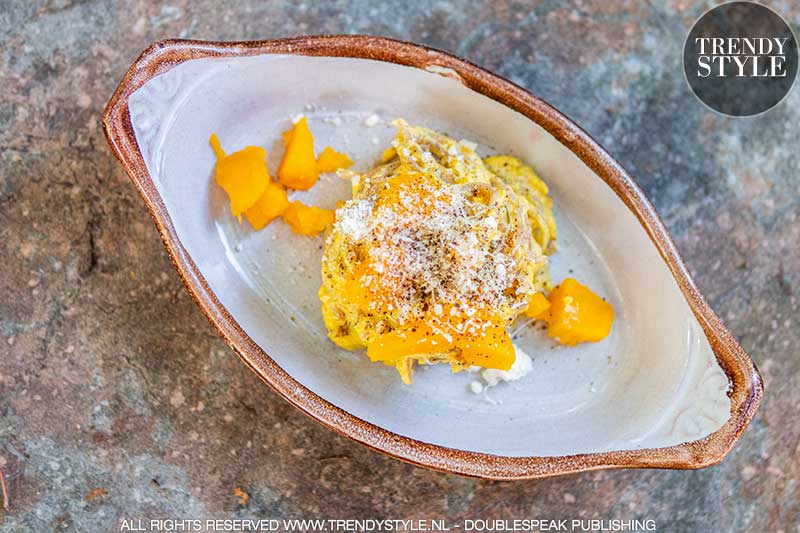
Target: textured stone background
{"type": "Point", "coordinates": [110, 377]}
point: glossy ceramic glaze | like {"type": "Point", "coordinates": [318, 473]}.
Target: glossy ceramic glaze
{"type": "Point", "coordinates": [668, 387]}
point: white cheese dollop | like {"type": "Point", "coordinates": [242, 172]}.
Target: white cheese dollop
{"type": "Point", "coordinates": [522, 366]}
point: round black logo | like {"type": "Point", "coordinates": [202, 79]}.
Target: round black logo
{"type": "Point", "coordinates": [740, 59]}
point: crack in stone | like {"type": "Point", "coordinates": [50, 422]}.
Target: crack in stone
{"type": "Point", "coordinates": [147, 386]}
{"type": "Point", "coordinates": [249, 408]}
{"type": "Point", "coordinates": [91, 229]}
{"type": "Point", "coordinates": [783, 279]}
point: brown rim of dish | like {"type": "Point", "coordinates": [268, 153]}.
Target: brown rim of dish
{"type": "Point", "coordinates": [746, 386]}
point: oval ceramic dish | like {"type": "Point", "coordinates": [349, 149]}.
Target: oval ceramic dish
{"type": "Point", "coordinates": [670, 387]}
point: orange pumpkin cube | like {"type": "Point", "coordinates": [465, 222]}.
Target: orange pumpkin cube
{"type": "Point", "coordinates": [490, 347]}
{"type": "Point", "coordinates": [537, 304]}
{"type": "Point", "coordinates": [268, 207]}
{"type": "Point", "coordinates": [577, 314]}
{"type": "Point", "coordinates": [330, 160]}
{"type": "Point", "coordinates": [298, 169]}
{"type": "Point", "coordinates": [243, 175]}
{"type": "Point", "coordinates": [307, 219]}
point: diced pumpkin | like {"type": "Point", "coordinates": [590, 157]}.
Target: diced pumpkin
{"type": "Point", "coordinates": [243, 175]}
{"type": "Point", "coordinates": [537, 304]}
{"type": "Point", "coordinates": [493, 349]}
{"type": "Point", "coordinates": [489, 346]}
{"type": "Point", "coordinates": [576, 314]}
{"type": "Point", "coordinates": [298, 169]}
{"type": "Point", "coordinates": [307, 219]}
{"type": "Point", "coordinates": [330, 160]}
{"type": "Point", "coordinates": [395, 345]}
{"type": "Point", "coordinates": [268, 207]}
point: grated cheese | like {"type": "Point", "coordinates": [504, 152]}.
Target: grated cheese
{"type": "Point", "coordinates": [372, 120]}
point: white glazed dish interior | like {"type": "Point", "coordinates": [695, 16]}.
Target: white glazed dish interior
{"type": "Point", "coordinates": [654, 382]}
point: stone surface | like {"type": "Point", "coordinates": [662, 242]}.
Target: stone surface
{"type": "Point", "coordinates": [111, 378]}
